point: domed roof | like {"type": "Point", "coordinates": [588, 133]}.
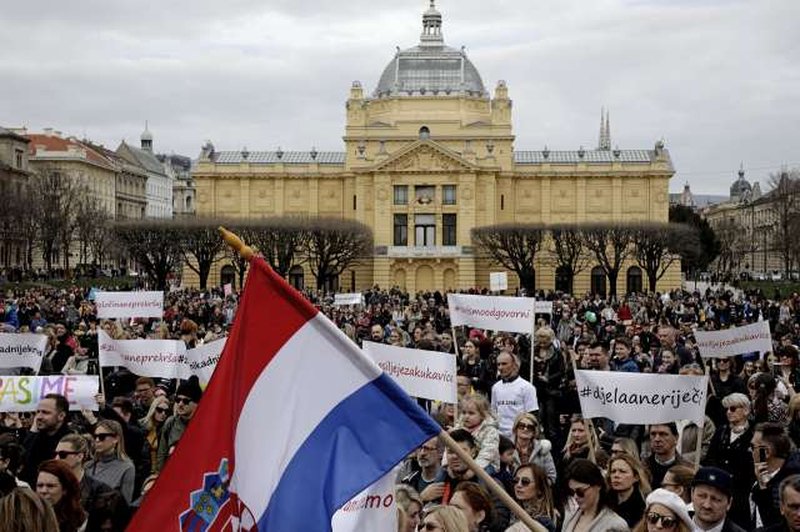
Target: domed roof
{"type": "Point", "coordinates": [430, 68]}
{"type": "Point", "coordinates": [741, 188]}
{"type": "Point", "coordinates": [146, 135]}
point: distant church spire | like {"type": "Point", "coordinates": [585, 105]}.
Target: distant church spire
{"type": "Point", "coordinates": [605, 131]}
{"type": "Point", "coordinates": [431, 27]}
{"type": "Point", "coordinates": [146, 138]}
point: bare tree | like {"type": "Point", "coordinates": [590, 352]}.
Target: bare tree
{"type": "Point", "coordinates": [280, 240]}
{"type": "Point", "coordinates": [333, 245]}
{"type": "Point", "coordinates": [154, 244]}
{"type": "Point", "coordinates": [785, 205]}
{"type": "Point", "coordinates": [657, 246]}
{"type": "Point", "coordinates": [513, 246]}
{"type": "Point", "coordinates": [55, 208]}
{"type": "Point", "coordinates": [611, 245]}
{"type": "Point", "coordinates": [201, 245]}
{"type": "Point", "coordinates": [92, 224]}
{"type": "Point", "coordinates": [733, 245]}
{"type": "Point", "coordinates": [569, 251]}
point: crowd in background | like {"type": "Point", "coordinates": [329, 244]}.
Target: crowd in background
{"type": "Point", "coordinates": [89, 470]}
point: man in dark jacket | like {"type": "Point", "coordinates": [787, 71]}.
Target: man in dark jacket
{"type": "Point", "coordinates": [773, 463]}
{"type": "Point", "coordinates": [790, 507]}
{"type": "Point", "coordinates": [49, 426]}
{"type": "Point", "coordinates": [712, 498]}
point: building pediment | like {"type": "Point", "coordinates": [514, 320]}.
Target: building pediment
{"type": "Point", "coordinates": [424, 156]}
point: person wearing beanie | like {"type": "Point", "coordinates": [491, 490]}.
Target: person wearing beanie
{"type": "Point", "coordinates": [665, 511]}
{"type": "Point", "coordinates": [186, 400]}
{"type": "Point", "coordinates": [712, 497]}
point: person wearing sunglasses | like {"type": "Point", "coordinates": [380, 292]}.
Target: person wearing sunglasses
{"type": "Point", "coordinates": [153, 424]}
{"type": "Point", "coordinates": [587, 509]}
{"type": "Point", "coordinates": [532, 491]}
{"type": "Point", "coordinates": [186, 400]}
{"type": "Point", "coordinates": [444, 519]}
{"type": "Point", "coordinates": [529, 448]}
{"type": "Point", "coordinates": [111, 465]}
{"type": "Point", "coordinates": [665, 511]}
{"type": "Point", "coordinates": [74, 450]}
{"type": "Point", "coordinates": [730, 450]}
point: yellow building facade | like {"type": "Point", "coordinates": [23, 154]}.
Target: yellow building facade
{"type": "Point", "coordinates": [429, 155]}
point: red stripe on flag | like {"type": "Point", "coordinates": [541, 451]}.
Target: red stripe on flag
{"type": "Point", "coordinates": [270, 312]}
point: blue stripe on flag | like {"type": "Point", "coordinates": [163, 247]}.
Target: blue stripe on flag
{"type": "Point", "coordinates": [357, 443]}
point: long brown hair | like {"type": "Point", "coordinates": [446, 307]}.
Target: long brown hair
{"type": "Point", "coordinates": [543, 504]}
{"type": "Point", "coordinates": [69, 511]}
{"type": "Point", "coordinates": [642, 478]}
{"type": "Point", "coordinates": [22, 510]}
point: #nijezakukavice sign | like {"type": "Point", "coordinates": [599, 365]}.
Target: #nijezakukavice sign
{"type": "Point", "coordinates": [641, 398]}
{"type": "Point", "coordinates": [736, 341]}
{"type": "Point", "coordinates": [509, 314]}
{"type": "Point", "coordinates": [23, 393]}
{"type": "Point", "coordinates": [138, 304]}
{"type": "Point", "coordinates": [425, 374]}
{"type": "Point", "coordinates": [24, 350]}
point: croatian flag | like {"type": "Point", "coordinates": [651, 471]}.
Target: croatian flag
{"type": "Point", "coordinates": [294, 423]}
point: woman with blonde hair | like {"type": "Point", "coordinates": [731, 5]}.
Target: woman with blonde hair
{"type": "Point", "coordinates": [409, 501]}
{"type": "Point", "coordinates": [111, 465]}
{"type": "Point", "coordinates": [445, 519]}
{"type": "Point", "coordinates": [629, 485]}
{"type": "Point", "coordinates": [530, 448]}
{"type": "Point", "coordinates": [152, 424]}
{"type": "Point", "coordinates": [476, 417]}
{"type": "Point", "coordinates": [794, 419]}
{"type": "Point", "coordinates": [581, 441]}
{"type": "Point", "coordinates": [22, 510]}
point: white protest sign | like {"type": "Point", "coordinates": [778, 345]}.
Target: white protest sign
{"type": "Point", "coordinates": [227, 289]}
{"type": "Point", "coordinates": [146, 358]}
{"type": "Point", "coordinates": [203, 360]}
{"type": "Point", "coordinates": [374, 508]}
{"type": "Point", "coordinates": [641, 398]}
{"type": "Point", "coordinates": [732, 342]}
{"type": "Point", "coordinates": [22, 350]}
{"type": "Point", "coordinates": [23, 393]}
{"type": "Point", "coordinates": [510, 314]}
{"type": "Point", "coordinates": [348, 299]}
{"type": "Point", "coordinates": [498, 281]}
{"type": "Point", "coordinates": [129, 304]}
{"type": "Point", "coordinates": [426, 374]}
{"type": "Point", "coordinates": [543, 307]}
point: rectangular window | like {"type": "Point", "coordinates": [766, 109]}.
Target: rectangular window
{"type": "Point", "coordinates": [449, 195]}
{"type": "Point", "coordinates": [449, 230]}
{"type": "Point", "coordinates": [18, 157]}
{"type": "Point", "coordinates": [400, 229]}
{"type": "Point", "coordinates": [425, 230]}
{"type": "Point", "coordinates": [424, 194]}
{"type": "Point", "coordinates": [401, 194]}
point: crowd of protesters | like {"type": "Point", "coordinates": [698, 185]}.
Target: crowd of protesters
{"type": "Point", "coordinates": [89, 470]}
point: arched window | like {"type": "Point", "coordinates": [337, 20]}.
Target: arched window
{"type": "Point", "coordinates": [424, 133]}
{"type": "Point", "coordinates": [297, 277]}
{"type": "Point", "coordinates": [598, 281]}
{"type": "Point", "coordinates": [633, 284]}
{"type": "Point", "coordinates": [563, 280]}
{"type": "Point", "coordinates": [227, 275]}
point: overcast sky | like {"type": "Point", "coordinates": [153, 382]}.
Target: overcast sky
{"type": "Point", "coordinates": [719, 80]}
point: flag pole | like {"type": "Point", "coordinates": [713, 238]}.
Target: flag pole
{"type": "Point", "coordinates": [491, 484]}
{"type": "Point", "coordinates": [236, 243]}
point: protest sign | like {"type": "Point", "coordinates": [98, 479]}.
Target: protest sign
{"type": "Point", "coordinates": [641, 398]}
{"type": "Point", "coordinates": [374, 508]}
{"type": "Point", "coordinates": [543, 307]}
{"type": "Point", "coordinates": [426, 374]}
{"type": "Point", "coordinates": [129, 304]}
{"type": "Point", "coordinates": [146, 358]}
{"type": "Point", "coordinates": [227, 289]}
{"type": "Point", "coordinates": [24, 350]}
{"type": "Point", "coordinates": [511, 314]}
{"type": "Point", "coordinates": [203, 360]}
{"type": "Point", "coordinates": [737, 341]}
{"type": "Point", "coordinates": [498, 281]}
{"type": "Point", "coordinates": [23, 393]}
{"type": "Point", "coordinates": [348, 299]}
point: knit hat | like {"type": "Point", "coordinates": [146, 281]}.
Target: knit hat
{"type": "Point", "coordinates": [673, 502]}
{"type": "Point", "coordinates": [191, 389]}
